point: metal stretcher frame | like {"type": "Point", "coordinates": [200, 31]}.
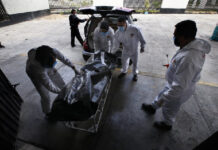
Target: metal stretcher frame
{"type": "Point", "coordinates": [93, 123]}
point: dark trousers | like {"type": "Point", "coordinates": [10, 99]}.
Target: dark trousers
{"type": "Point", "coordinates": [75, 33]}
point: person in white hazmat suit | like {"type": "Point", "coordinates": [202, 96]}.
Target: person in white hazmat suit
{"type": "Point", "coordinates": [129, 35]}
{"type": "Point", "coordinates": [182, 75]}
{"type": "Point", "coordinates": [40, 69]}
{"type": "Point", "coordinates": [103, 37]}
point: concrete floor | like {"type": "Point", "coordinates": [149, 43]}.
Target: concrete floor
{"type": "Point", "coordinates": [124, 125]}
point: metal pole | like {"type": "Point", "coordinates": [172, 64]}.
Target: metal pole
{"type": "Point", "coordinates": [194, 3]}
{"type": "Point", "coordinates": [213, 2]}
{"type": "Point", "coordinates": [202, 4]}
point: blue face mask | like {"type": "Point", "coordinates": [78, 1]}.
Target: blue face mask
{"type": "Point", "coordinates": [176, 42]}
{"type": "Point", "coordinates": [104, 33]}
{"type": "Point", "coordinates": [54, 64]}
{"type": "Point", "coordinates": [121, 28]}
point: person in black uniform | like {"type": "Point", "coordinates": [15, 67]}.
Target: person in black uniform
{"type": "Point", "coordinates": [74, 22]}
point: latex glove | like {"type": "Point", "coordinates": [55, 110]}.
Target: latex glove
{"type": "Point", "coordinates": [75, 70]}
{"type": "Point", "coordinates": [102, 58]}
{"type": "Point", "coordinates": [160, 102]}
{"type": "Point", "coordinates": [104, 63]}
{"type": "Point", "coordinates": [142, 50]}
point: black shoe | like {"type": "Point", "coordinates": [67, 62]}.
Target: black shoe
{"type": "Point", "coordinates": [121, 75]}
{"type": "Point", "coordinates": [73, 45]}
{"type": "Point", "coordinates": [135, 78]}
{"type": "Point", "coordinates": [162, 125]}
{"type": "Point", "coordinates": [148, 108]}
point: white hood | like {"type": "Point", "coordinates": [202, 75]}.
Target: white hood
{"type": "Point", "coordinates": [32, 64]}
{"type": "Point", "coordinates": [199, 45]}
{"type": "Point", "coordinates": [31, 54]}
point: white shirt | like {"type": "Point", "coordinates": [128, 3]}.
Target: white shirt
{"type": "Point", "coordinates": [39, 73]}
{"type": "Point", "coordinates": [185, 68]}
{"type": "Point", "coordinates": [103, 42]}
{"type": "Point", "coordinates": [129, 39]}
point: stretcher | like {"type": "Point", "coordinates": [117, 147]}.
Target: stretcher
{"type": "Point", "coordinates": [81, 103]}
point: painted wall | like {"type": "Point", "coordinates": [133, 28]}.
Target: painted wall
{"type": "Point", "coordinates": [118, 3]}
{"type": "Point", "coordinates": [175, 4]}
{"type": "Point", "coordinates": [22, 6]}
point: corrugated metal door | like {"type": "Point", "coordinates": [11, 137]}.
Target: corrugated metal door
{"type": "Point", "coordinates": [10, 105]}
{"type": "Point", "coordinates": [3, 13]}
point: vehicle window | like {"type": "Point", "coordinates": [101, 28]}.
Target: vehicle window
{"type": "Point", "coordinates": [87, 27]}
{"type": "Point", "coordinates": [94, 24]}
{"type": "Point", "coordinates": [112, 21]}
{"type": "Point", "coordinates": [97, 15]}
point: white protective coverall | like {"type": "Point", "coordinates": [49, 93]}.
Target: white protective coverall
{"type": "Point", "coordinates": [45, 79]}
{"type": "Point", "coordinates": [129, 39]}
{"type": "Point", "coordinates": [182, 75]}
{"type": "Point", "coordinates": [103, 42]}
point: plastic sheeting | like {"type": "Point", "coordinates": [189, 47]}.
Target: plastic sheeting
{"type": "Point", "coordinates": [79, 99]}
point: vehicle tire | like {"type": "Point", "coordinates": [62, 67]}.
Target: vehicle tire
{"type": "Point", "coordinates": [86, 57]}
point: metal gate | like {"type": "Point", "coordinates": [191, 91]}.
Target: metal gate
{"type": "Point", "coordinates": [3, 13]}
{"type": "Point", "coordinates": [203, 4]}
{"type": "Point", "coordinates": [143, 4]}
{"type": "Point", "coordinates": [10, 105]}
{"type": "Point", "coordinates": [67, 4]}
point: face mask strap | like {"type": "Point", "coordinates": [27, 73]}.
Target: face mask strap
{"type": "Point", "coordinates": [54, 64]}
{"type": "Point", "coordinates": [121, 28]}
{"type": "Point", "coordinates": [176, 42]}
{"type": "Point", "coordinates": [104, 33]}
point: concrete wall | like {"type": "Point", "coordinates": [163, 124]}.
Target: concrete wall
{"type": "Point", "coordinates": [175, 4]}
{"type": "Point", "coordinates": [23, 6]}
{"type": "Point", "coordinates": [108, 3]}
